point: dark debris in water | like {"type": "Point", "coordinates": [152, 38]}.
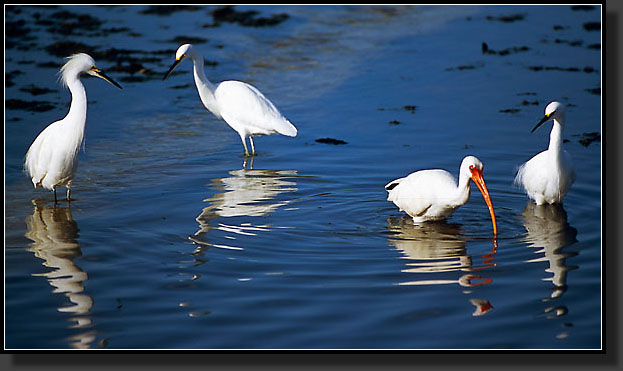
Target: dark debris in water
{"type": "Point", "coordinates": [132, 62]}
{"type": "Point", "coordinates": [163, 10]}
{"type": "Point", "coordinates": [506, 18]}
{"type": "Point", "coordinates": [16, 29]}
{"type": "Point", "coordinates": [558, 27]}
{"type": "Point", "coordinates": [586, 69]}
{"type": "Point", "coordinates": [592, 26]}
{"type": "Point", "coordinates": [67, 23]}
{"type": "Point", "coordinates": [571, 43]}
{"type": "Point", "coordinates": [582, 7]}
{"type": "Point", "coordinates": [185, 86]}
{"type": "Point", "coordinates": [228, 14]}
{"type": "Point", "coordinates": [187, 40]}
{"type": "Point", "coordinates": [526, 93]}
{"type": "Point", "coordinates": [596, 91]}
{"type": "Point", "coordinates": [528, 103]}
{"type": "Point", "coordinates": [394, 122]}
{"type": "Point", "coordinates": [588, 138]}
{"type": "Point", "coordinates": [409, 108]}
{"type": "Point", "coordinates": [35, 90]}
{"type": "Point", "coordinates": [49, 65]}
{"type": "Point", "coordinates": [510, 110]}
{"type": "Point", "coordinates": [330, 141]}
{"type": "Point", "coordinates": [462, 67]}
{"type": "Point", "coordinates": [503, 52]}
{"type": "Point", "coordinates": [8, 77]}
{"type": "Point", "coordinates": [35, 106]}
{"type": "Point", "coordinates": [67, 48]}
{"type": "Point", "coordinates": [594, 46]}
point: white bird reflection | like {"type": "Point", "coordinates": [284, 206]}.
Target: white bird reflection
{"type": "Point", "coordinates": [549, 231]}
{"type": "Point", "coordinates": [54, 234]}
{"type": "Point", "coordinates": [246, 193]}
{"type": "Point", "coordinates": [434, 248]}
{"type": "Point", "coordinates": [438, 247]}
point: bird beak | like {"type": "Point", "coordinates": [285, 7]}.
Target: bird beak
{"type": "Point", "coordinates": [101, 74]}
{"type": "Point", "coordinates": [480, 182]}
{"type": "Point", "coordinates": [177, 61]}
{"type": "Point", "coordinates": [543, 120]}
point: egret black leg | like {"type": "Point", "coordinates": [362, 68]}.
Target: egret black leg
{"type": "Point", "coordinates": [244, 143]}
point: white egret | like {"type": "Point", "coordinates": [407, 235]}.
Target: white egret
{"type": "Point", "coordinates": [434, 195]}
{"type": "Point", "coordinates": [52, 158]}
{"type": "Point", "coordinates": [548, 176]}
{"type": "Point", "coordinates": [241, 105]}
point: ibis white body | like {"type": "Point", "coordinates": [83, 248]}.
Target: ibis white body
{"type": "Point", "coordinates": [52, 159]}
{"type": "Point", "coordinates": [548, 176]}
{"type": "Point", "coordinates": [240, 105]}
{"type": "Point", "coordinates": [428, 195]}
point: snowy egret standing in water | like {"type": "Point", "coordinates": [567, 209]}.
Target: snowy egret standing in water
{"type": "Point", "coordinates": [548, 176]}
{"type": "Point", "coordinates": [434, 195]}
{"type": "Point", "coordinates": [52, 158]}
{"type": "Point", "coordinates": [241, 105]}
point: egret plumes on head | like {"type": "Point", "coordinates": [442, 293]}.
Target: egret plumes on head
{"type": "Point", "coordinates": [52, 158]}
{"type": "Point", "coordinates": [241, 105]}
{"type": "Point", "coordinates": [434, 194]}
{"type": "Point", "coordinates": [548, 176]}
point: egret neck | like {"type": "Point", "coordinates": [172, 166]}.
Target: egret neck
{"type": "Point", "coordinates": [77, 115]}
{"type": "Point", "coordinates": [555, 140]}
{"type": "Point", "coordinates": [204, 86]}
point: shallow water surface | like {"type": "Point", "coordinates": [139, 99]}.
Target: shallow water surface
{"type": "Point", "coordinates": [173, 240]}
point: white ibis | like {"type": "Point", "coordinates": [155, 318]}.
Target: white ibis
{"type": "Point", "coordinates": [52, 159]}
{"type": "Point", "coordinates": [241, 105]}
{"type": "Point", "coordinates": [548, 176]}
{"type": "Point", "coordinates": [434, 195]}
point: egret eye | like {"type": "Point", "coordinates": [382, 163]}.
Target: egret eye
{"type": "Point", "coordinates": [471, 167]}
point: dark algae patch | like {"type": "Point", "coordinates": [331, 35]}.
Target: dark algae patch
{"type": "Point", "coordinates": [34, 106]}
{"type": "Point", "coordinates": [592, 26]}
{"type": "Point", "coordinates": [228, 14]}
{"type": "Point", "coordinates": [67, 23]}
{"type": "Point", "coordinates": [35, 90]}
{"type": "Point", "coordinates": [187, 40]}
{"type": "Point", "coordinates": [596, 91]}
{"type": "Point", "coordinates": [588, 138]}
{"type": "Point", "coordinates": [506, 18]}
{"type": "Point", "coordinates": [164, 10]}
{"type": "Point", "coordinates": [461, 67]}
{"type": "Point", "coordinates": [330, 141]}
{"type": "Point", "coordinates": [586, 69]}
{"type": "Point", "coordinates": [582, 7]}
{"type": "Point", "coordinates": [409, 108]}
{"type": "Point", "coordinates": [503, 52]}
{"type": "Point", "coordinates": [66, 48]}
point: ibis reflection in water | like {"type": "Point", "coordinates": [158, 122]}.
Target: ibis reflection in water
{"type": "Point", "coordinates": [436, 249]}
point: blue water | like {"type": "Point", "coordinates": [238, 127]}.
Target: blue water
{"type": "Point", "coordinates": [173, 242]}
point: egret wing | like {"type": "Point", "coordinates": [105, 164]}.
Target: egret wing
{"type": "Point", "coordinates": [243, 105]}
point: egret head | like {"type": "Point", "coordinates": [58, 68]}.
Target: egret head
{"type": "Point", "coordinates": [554, 110]}
{"type": "Point", "coordinates": [474, 167]}
{"type": "Point", "coordinates": [182, 52]}
{"type": "Point", "coordinates": [79, 63]}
